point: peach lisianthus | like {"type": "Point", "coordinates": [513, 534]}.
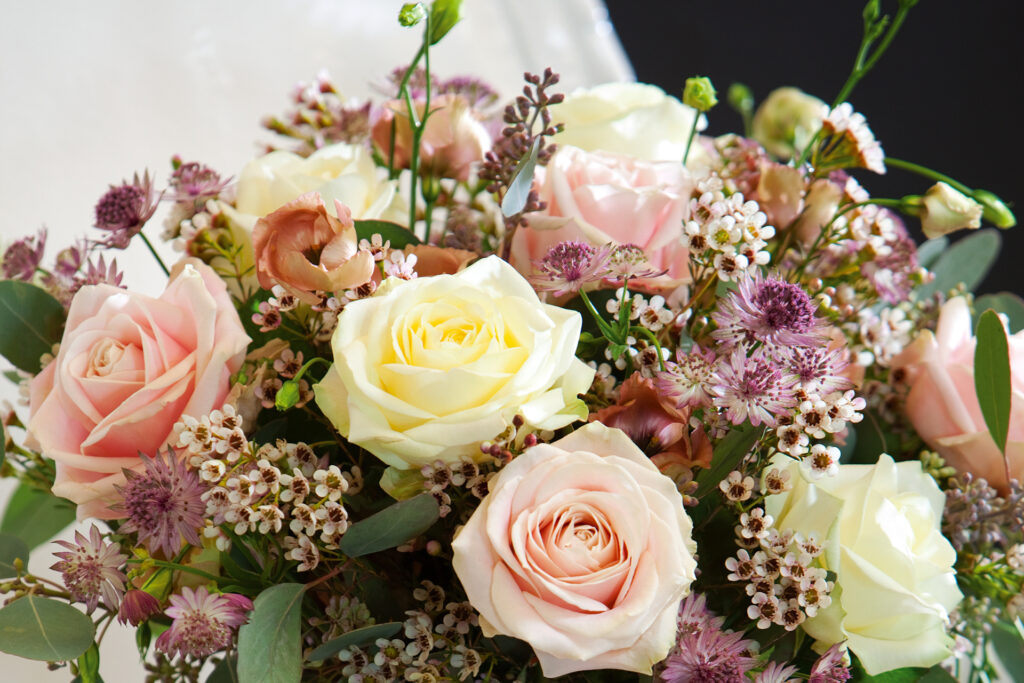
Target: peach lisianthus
{"type": "Point", "coordinates": [305, 249]}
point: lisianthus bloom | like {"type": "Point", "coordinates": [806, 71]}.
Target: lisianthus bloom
{"type": "Point", "coordinates": [582, 549]}
{"type": "Point", "coordinates": [306, 250]}
{"type": "Point", "coordinates": [945, 210]}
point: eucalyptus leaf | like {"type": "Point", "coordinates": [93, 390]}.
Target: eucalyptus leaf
{"type": "Point", "coordinates": [270, 645]}
{"type": "Point", "coordinates": [35, 516]}
{"type": "Point", "coordinates": [43, 629]}
{"type": "Point", "coordinates": [968, 261]}
{"type": "Point", "coordinates": [992, 376]}
{"type": "Point", "coordinates": [444, 14]}
{"type": "Point", "coordinates": [357, 638]}
{"type": "Point", "coordinates": [931, 250]}
{"type": "Point", "coordinates": [1007, 303]}
{"type": "Point", "coordinates": [936, 674]}
{"type": "Point", "coordinates": [11, 548]}
{"type": "Point", "coordinates": [1009, 645]}
{"type": "Point", "coordinates": [226, 671]}
{"type": "Point", "coordinates": [30, 323]}
{"type": "Point", "coordinates": [728, 453]}
{"type": "Point", "coordinates": [518, 191]}
{"type": "Point", "coordinates": [89, 665]}
{"type": "Point", "coordinates": [392, 526]}
{"type": "Point", "coordinates": [398, 235]}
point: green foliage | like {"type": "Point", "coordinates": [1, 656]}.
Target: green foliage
{"type": "Point", "coordinates": [89, 665]}
{"type": "Point", "coordinates": [444, 14]}
{"type": "Point", "coordinates": [226, 671]}
{"type": "Point", "coordinates": [968, 261]}
{"type": "Point", "coordinates": [11, 549]}
{"type": "Point", "coordinates": [270, 645]}
{"type": "Point", "coordinates": [43, 629]}
{"type": "Point", "coordinates": [518, 191]}
{"type": "Point", "coordinates": [728, 453]}
{"type": "Point", "coordinates": [361, 637]}
{"type": "Point", "coordinates": [931, 250]}
{"type": "Point", "coordinates": [392, 526]}
{"type": "Point", "coordinates": [1004, 302]}
{"type": "Point", "coordinates": [30, 323]}
{"type": "Point", "coordinates": [35, 516]}
{"type": "Point", "coordinates": [399, 236]}
{"type": "Point", "coordinates": [992, 376]}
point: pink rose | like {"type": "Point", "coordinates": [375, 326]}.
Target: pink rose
{"type": "Point", "coordinates": [128, 368]}
{"type": "Point", "coordinates": [599, 197]}
{"type": "Point", "coordinates": [582, 549]}
{"type": "Point", "coordinates": [943, 406]}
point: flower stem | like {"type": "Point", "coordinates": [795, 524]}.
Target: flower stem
{"type": "Point", "coordinates": [152, 251]}
{"type": "Point", "coordinates": [689, 140]}
{"type": "Point", "coordinates": [928, 173]}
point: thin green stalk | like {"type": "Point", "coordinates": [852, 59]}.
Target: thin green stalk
{"type": "Point", "coordinates": [689, 140]}
{"type": "Point", "coordinates": [155, 255]}
{"type": "Point", "coordinates": [928, 173]}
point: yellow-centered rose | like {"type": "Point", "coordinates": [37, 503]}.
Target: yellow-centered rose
{"type": "Point", "coordinates": [430, 368]}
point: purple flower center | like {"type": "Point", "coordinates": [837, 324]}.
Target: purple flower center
{"type": "Point", "coordinates": [784, 306]}
{"type": "Point", "coordinates": [120, 207]}
{"type": "Point", "coordinates": [569, 259]}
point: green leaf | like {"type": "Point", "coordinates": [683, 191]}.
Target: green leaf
{"type": "Point", "coordinates": [357, 638]}
{"type": "Point", "coordinates": [992, 376]}
{"type": "Point", "coordinates": [936, 674]}
{"type": "Point", "coordinates": [3, 444]}
{"type": "Point", "coordinates": [930, 250]}
{"type": "Point", "coordinates": [444, 14]}
{"type": "Point", "coordinates": [398, 235]}
{"type": "Point", "coordinates": [905, 675]}
{"type": "Point", "coordinates": [968, 261]}
{"type": "Point", "coordinates": [1009, 645]}
{"type": "Point", "coordinates": [30, 323]}
{"type": "Point", "coordinates": [518, 191]}
{"type": "Point", "coordinates": [43, 629]}
{"type": "Point", "coordinates": [392, 526]}
{"type": "Point", "coordinates": [728, 453]}
{"type": "Point", "coordinates": [1007, 303]}
{"type": "Point", "coordinates": [35, 516]}
{"type": "Point", "coordinates": [226, 671]}
{"type": "Point", "coordinates": [270, 645]}
{"type": "Point", "coordinates": [89, 665]}
{"type": "Point", "coordinates": [11, 548]}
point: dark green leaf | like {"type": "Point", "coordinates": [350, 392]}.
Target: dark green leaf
{"type": "Point", "coordinates": [30, 323]}
{"type": "Point", "coordinates": [399, 236]}
{"type": "Point", "coordinates": [931, 250]}
{"type": "Point", "coordinates": [1009, 645]}
{"type": "Point", "coordinates": [44, 629]}
{"type": "Point", "coordinates": [358, 638]}
{"type": "Point", "coordinates": [3, 444]}
{"type": "Point", "coordinates": [444, 14]}
{"type": "Point", "coordinates": [992, 376]}
{"type": "Point", "coordinates": [936, 674]}
{"type": "Point", "coordinates": [968, 261]}
{"type": "Point", "coordinates": [226, 671]}
{"type": "Point", "coordinates": [873, 437]}
{"type": "Point", "coordinates": [518, 191]}
{"type": "Point", "coordinates": [1004, 302]}
{"type": "Point", "coordinates": [143, 637]}
{"type": "Point", "coordinates": [89, 665]}
{"type": "Point", "coordinates": [270, 645]}
{"type": "Point", "coordinates": [35, 516]}
{"type": "Point", "coordinates": [392, 526]}
{"type": "Point", "coordinates": [13, 376]}
{"type": "Point", "coordinates": [11, 548]}
{"type": "Point", "coordinates": [728, 453]}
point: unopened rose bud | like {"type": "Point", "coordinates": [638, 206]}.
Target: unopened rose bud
{"type": "Point", "coordinates": [699, 93]}
{"type": "Point", "coordinates": [287, 396]}
{"type": "Point", "coordinates": [411, 14]}
{"type": "Point", "coordinates": [995, 211]}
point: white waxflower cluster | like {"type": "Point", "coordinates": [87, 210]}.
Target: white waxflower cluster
{"type": "Point", "coordinates": [726, 233]}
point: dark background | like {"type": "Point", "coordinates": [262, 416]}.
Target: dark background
{"type": "Point", "coordinates": [947, 94]}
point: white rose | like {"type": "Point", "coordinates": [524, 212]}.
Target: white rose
{"type": "Point", "coordinates": [634, 119]}
{"type": "Point", "coordinates": [430, 368]}
{"type": "Point", "coordinates": [895, 583]}
{"type": "Point", "coordinates": [946, 210]}
{"type": "Point", "coordinates": [340, 171]}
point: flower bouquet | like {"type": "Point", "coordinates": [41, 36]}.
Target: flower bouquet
{"type": "Point", "coordinates": [441, 389]}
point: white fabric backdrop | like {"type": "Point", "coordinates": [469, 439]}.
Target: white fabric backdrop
{"type": "Point", "coordinates": [91, 92]}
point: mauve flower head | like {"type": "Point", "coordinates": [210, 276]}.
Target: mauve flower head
{"type": "Point", "coordinates": [69, 261]}
{"type": "Point", "coordinates": [753, 387]}
{"type": "Point", "coordinates": [136, 607]}
{"type": "Point", "coordinates": [21, 258]}
{"type": "Point", "coordinates": [124, 209]}
{"type": "Point", "coordinates": [569, 266]}
{"type": "Point", "coordinates": [163, 504]}
{"type": "Point", "coordinates": [710, 656]}
{"type": "Point", "coordinates": [776, 672]}
{"type": "Point", "coordinates": [91, 569]}
{"type": "Point", "coordinates": [195, 182]}
{"type": "Point", "coordinates": [831, 667]}
{"type": "Point", "coordinates": [99, 273]}
{"type": "Point", "coordinates": [203, 622]}
{"type": "Point", "coordinates": [768, 310]}
{"type": "Point", "coordinates": [478, 93]}
{"type": "Point", "coordinates": [694, 615]}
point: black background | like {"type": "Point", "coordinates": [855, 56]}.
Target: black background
{"type": "Point", "coordinates": [947, 93]}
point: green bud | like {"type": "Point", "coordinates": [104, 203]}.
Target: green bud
{"type": "Point", "coordinates": [444, 14]}
{"type": "Point", "coordinates": [287, 395]}
{"type": "Point", "coordinates": [871, 12]}
{"type": "Point", "coordinates": [699, 93]}
{"type": "Point", "coordinates": [411, 14]}
{"type": "Point", "coordinates": [740, 98]}
{"type": "Point", "coordinates": [996, 212]}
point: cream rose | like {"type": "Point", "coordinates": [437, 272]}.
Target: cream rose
{"type": "Point", "coordinates": [430, 368]}
{"type": "Point", "coordinates": [340, 172]}
{"type": "Point", "coordinates": [895, 583]}
{"type": "Point", "coordinates": [635, 119]}
{"type": "Point", "coordinates": [582, 549]}
{"type": "Point", "coordinates": [942, 403]}
{"type": "Point", "coordinates": [128, 368]}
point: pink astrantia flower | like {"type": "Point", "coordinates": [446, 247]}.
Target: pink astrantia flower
{"type": "Point", "coordinates": [776, 672]}
{"type": "Point", "coordinates": [195, 182]}
{"type": "Point", "coordinates": [137, 607]}
{"type": "Point", "coordinates": [830, 667]}
{"type": "Point", "coordinates": [20, 259]}
{"type": "Point", "coordinates": [124, 209]}
{"type": "Point", "coordinates": [203, 622]}
{"type": "Point", "coordinates": [768, 310]}
{"type": "Point", "coordinates": [569, 266]}
{"type": "Point", "coordinates": [754, 387]}
{"type": "Point", "coordinates": [686, 381]}
{"type": "Point", "coordinates": [91, 569]}
{"type": "Point", "coordinates": [711, 656]}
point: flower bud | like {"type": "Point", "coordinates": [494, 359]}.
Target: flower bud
{"type": "Point", "coordinates": [411, 14]}
{"type": "Point", "coordinates": [787, 120]}
{"type": "Point", "coordinates": [137, 606]}
{"type": "Point", "coordinates": [995, 211]}
{"type": "Point", "coordinates": [943, 210]}
{"type": "Point", "coordinates": [741, 99]}
{"type": "Point", "coordinates": [287, 396]}
{"type": "Point", "coordinates": [699, 93]}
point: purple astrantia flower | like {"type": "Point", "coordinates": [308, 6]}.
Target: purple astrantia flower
{"type": "Point", "coordinates": [124, 209]}
{"type": "Point", "coordinates": [137, 607]}
{"type": "Point", "coordinates": [203, 622]}
{"type": "Point", "coordinates": [776, 672]}
{"type": "Point", "coordinates": [710, 656]}
{"type": "Point", "coordinates": [687, 380]}
{"type": "Point", "coordinates": [568, 266]}
{"type": "Point", "coordinates": [755, 387]}
{"type": "Point", "coordinates": [91, 569]}
{"type": "Point", "coordinates": [99, 272]}
{"type": "Point", "coordinates": [890, 273]}
{"type": "Point", "coordinates": [163, 504]}
{"type": "Point", "coordinates": [195, 182]}
{"type": "Point", "coordinates": [694, 615]}
{"type": "Point", "coordinates": [477, 92]}
{"type": "Point", "coordinates": [818, 369]}
{"type": "Point", "coordinates": [768, 310]}
{"type": "Point", "coordinates": [629, 262]}
{"type": "Point", "coordinates": [830, 667]}
{"type": "Point", "coordinates": [21, 258]}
